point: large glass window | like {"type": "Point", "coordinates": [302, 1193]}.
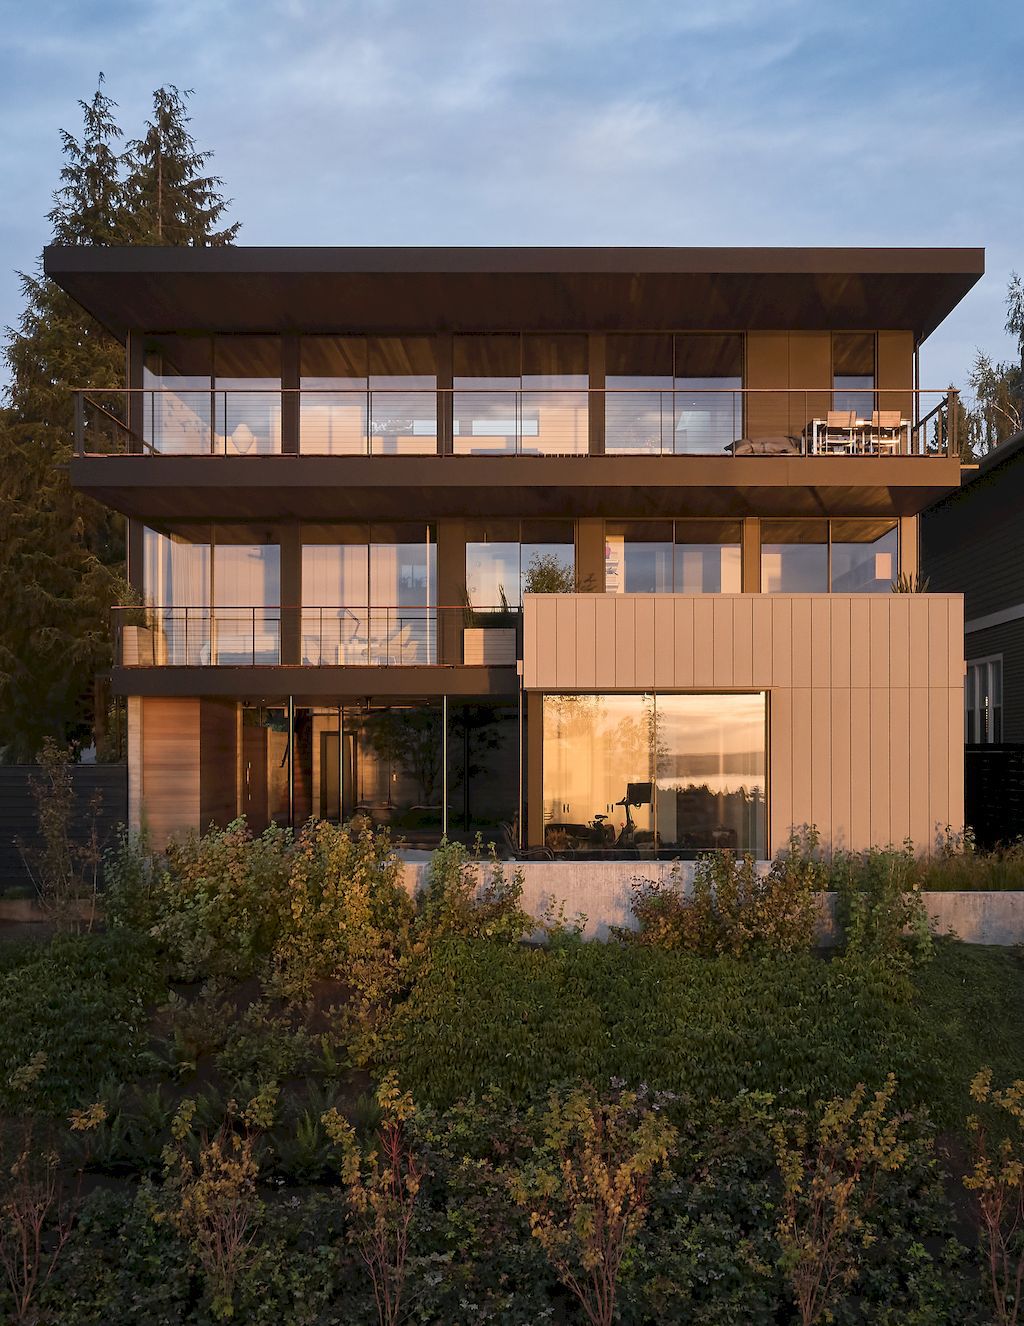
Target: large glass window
{"type": "Point", "coordinates": [662, 556]}
{"type": "Point", "coordinates": [247, 395]}
{"type": "Point", "coordinates": [598, 773]}
{"type": "Point", "coordinates": [814, 556]}
{"type": "Point", "coordinates": [864, 555]}
{"type": "Point", "coordinates": [334, 400]}
{"type": "Point", "coordinates": [638, 409]}
{"type": "Point", "coordinates": [403, 395]}
{"type": "Point", "coordinates": [505, 559]}
{"type": "Point", "coordinates": [677, 393]}
{"type": "Point", "coordinates": [524, 393]}
{"type": "Point", "coordinates": [794, 556]}
{"type": "Point", "coordinates": [487, 372]}
{"type": "Point", "coordinates": [651, 773]}
{"type": "Point", "coordinates": [214, 595]}
{"type": "Point", "coordinates": [369, 594]}
{"type": "Point", "coordinates": [177, 404]}
{"type": "Point", "coordinates": [708, 400]}
{"type": "Point", "coordinates": [853, 372]}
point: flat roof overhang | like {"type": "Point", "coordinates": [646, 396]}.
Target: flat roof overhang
{"type": "Point", "coordinates": [160, 489]}
{"type": "Point", "coordinates": [377, 290]}
{"type": "Point", "coordinates": [316, 685]}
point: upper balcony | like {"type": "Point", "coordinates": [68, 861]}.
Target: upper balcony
{"type": "Point", "coordinates": [451, 452]}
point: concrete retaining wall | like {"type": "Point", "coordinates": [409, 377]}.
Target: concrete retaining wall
{"type": "Point", "coordinates": [601, 891]}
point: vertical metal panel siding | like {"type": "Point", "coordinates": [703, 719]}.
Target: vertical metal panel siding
{"type": "Point", "coordinates": [866, 692]}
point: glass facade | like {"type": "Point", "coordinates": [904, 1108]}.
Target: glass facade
{"type": "Point", "coordinates": [983, 701]}
{"type": "Point", "coordinates": [816, 556]}
{"type": "Point", "coordinates": [664, 556]}
{"type": "Point", "coordinates": [369, 595]}
{"type": "Point", "coordinates": [214, 595]}
{"type": "Point", "coordinates": [676, 394]}
{"type": "Point", "coordinates": [526, 394]}
{"type": "Point", "coordinates": [651, 773]}
{"type": "Point", "coordinates": [505, 559]}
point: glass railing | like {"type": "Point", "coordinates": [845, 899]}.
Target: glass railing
{"type": "Point", "coordinates": [414, 635]}
{"type": "Point", "coordinates": [637, 422]}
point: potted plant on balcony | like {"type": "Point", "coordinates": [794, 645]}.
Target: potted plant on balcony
{"type": "Point", "coordinates": [489, 635]}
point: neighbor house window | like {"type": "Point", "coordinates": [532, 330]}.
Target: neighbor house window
{"type": "Point", "coordinates": [664, 556]}
{"type": "Point", "coordinates": [647, 773]}
{"type": "Point", "coordinates": [815, 556]}
{"type": "Point", "coordinates": [983, 701]}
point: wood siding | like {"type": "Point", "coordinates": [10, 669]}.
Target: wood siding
{"type": "Point", "coordinates": [865, 692]}
{"type": "Point", "coordinates": [169, 741]}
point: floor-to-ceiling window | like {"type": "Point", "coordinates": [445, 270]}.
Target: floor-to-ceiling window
{"type": "Point", "coordinates": [700, 556]}
{"type": "Point", "coordinates": [219, 394]}
{"type": "Point", "coordinates": [507, 558]}
{"type": "Point", "coordinates": [853, 372]}
{"type": "Point", "coordinates": [815, 556]}
{"type": "Point", "coordinates": [369, 594]}
{"type": "Point", "coordinates": [372, 395]}
{"type": "Point", "coordinates": [648, 773]}
{"type": "Point", "coordinates": [678, 393]}
{"type": "Point", "coordinates": [526, 394]}
{"type": "Point", "coordinates": [214, 594]}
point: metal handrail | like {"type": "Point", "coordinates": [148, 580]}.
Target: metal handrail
{"type": "Point", "coordinates": [798, 425]}
{"type": "Point", "coordinates": [343, 634]}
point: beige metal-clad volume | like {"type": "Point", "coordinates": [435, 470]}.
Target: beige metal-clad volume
{"type": "Point", "coordinates": [865, 693]}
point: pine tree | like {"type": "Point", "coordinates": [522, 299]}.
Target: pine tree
{"type": "Point", "coordinates": [61, 555]}
{"type": "Point", "coordinates": [171, 198]}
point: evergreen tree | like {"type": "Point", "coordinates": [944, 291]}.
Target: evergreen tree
{"type": "Point", "coordinates": [61, 555]}
{"type": "Point", "coordinates": [171, 198]}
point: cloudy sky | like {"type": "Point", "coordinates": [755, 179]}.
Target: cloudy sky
{"type": "Point", "coordinates": [748, 122]}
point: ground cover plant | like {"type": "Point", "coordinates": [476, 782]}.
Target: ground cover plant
{"type": "Point", "coordinates": [277, 1089]}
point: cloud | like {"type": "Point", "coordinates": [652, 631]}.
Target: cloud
{"type": "Point", "coordinates": [580, 121]}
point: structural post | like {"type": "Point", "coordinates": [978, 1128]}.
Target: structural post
{"type": "Point", "coordinates": [444, 766]}
{"type": "Point", "coordinates": [291, 760]}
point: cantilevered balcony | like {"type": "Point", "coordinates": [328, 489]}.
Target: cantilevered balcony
{"type": "Point", "coordinates": [163, 454]}
{"type": "Point", "coordinates": [238, 650]}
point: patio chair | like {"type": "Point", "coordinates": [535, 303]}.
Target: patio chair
{"type": "Point", "coordinates": [839, 430]}
{"type": "Point", "coordinates": [886, 431]}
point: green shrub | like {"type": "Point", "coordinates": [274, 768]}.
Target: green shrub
{"type": "Point", "coordinates": [879, 907]}
{"type": "Point", "coordinates": [522, 1019]}
{"type": "Point", "coordinates": [80, 1000]}
{"type": "Point", "coordinates": [734, 908]}
{"type": "Point", "coordinates": [347, 915]}
{"type": "Point", "coordinates": [218, 899]}
{"type": "Point", "coordinates": [465, 898]}
{"type": "Point", "coordinates": [960, 865]}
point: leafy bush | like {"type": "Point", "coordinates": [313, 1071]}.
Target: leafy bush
{"type": "Point", "coordinates": [879, 905]}
{"type": "Point", "coordinates": [522, 1020]}
{"type": "Point", "coordinates": [465, 898]}
{"type": "Point", "coordinates": [734, 908]}
{"type": "Point", "coordinates": [80, 1000]}
{"type": "Point", "coordinates": [224, 900]}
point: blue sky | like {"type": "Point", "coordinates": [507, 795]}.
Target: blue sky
{"type": "Point", "coordinates": [558, 122]}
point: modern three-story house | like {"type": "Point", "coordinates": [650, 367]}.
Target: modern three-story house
{"type": "Point", "coordinates": [584, 550]}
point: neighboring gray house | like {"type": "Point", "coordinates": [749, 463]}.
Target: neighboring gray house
{"type": "Point", "coordinates": [972, 541]}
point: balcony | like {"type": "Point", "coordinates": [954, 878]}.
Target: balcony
{"type": "Point", "coordinates": [419, 636]}
{"type": "Point", "coordinates": [637, 422]}
{"type": "Point", "coordinates": [339, 456]}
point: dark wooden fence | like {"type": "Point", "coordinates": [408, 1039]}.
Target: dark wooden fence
{"type": "Point", "coordinates": [18, 814]}
{"type": "Point", "coordinates": [994, 792]}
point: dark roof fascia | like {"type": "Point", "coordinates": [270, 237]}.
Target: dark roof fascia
{"type": "Point", "coordinates": [512, 261]}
